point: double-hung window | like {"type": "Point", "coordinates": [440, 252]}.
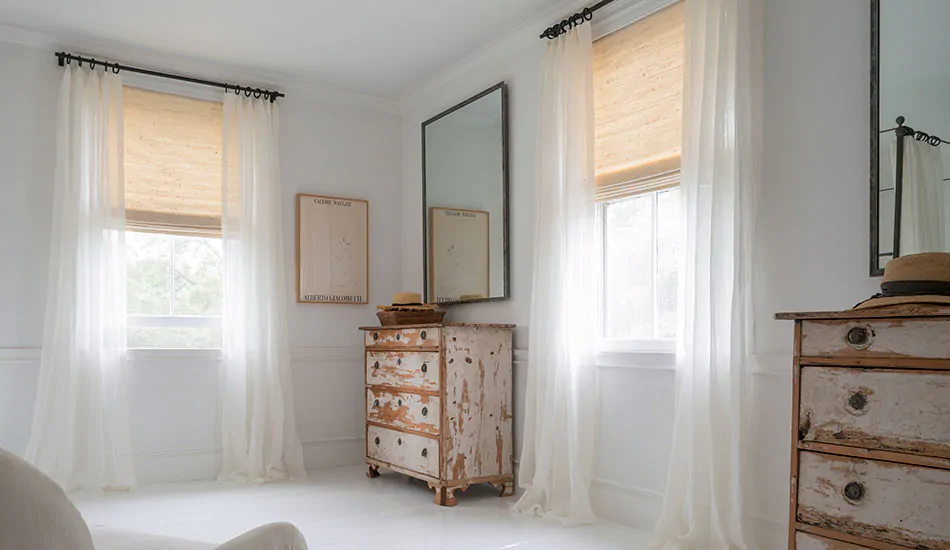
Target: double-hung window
{"type": "Point", "coordinates": [638, 83]}
{"type": "Point", "coordinates": [173, 220]}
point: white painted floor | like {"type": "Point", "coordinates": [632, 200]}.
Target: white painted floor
{"type": "Point", "coordinates": [335, 508]}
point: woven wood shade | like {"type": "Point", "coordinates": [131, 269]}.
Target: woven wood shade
{"type": "Point", "coordinates": [172, 163]}
{"type": "Point", "coordinates": [638, 105]}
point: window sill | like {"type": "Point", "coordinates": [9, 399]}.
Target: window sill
{"type": "Point", "coordinates": [649, 360]}
{"type": "Point", "coordinates": [143, 355]}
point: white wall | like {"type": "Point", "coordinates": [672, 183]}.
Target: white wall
{"type": "Point", "coordinates": [326, 147]}
{"type": "Point", "coordinates": [812, 249]}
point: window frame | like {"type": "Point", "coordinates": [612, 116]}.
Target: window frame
{"type": "Point", "coordinates": [628, 345]}
{"type": "Point", "coordinates": [616, 352]}
{"type": "Point", "coordinates": [203, 93]}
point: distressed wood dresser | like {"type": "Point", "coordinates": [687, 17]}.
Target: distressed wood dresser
{"type": "Point", "coordinates": [438, 405]}
{"type": "Point", "coordinates": [871, 429]}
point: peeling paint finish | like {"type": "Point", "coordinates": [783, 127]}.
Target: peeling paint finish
{"type": "Point", "coordinates": [806, 541]}
{"type": "Point", "coordinates": [920, 338]}
{"type": "Point", "coordinates": [409, 411]}
{"type": "Point", "coordinates": [477, 402]}
{"type": "Point", "coordinates": [900, 504]}
{"type": "Point", "coordinates": [403, 369]}
{"type": "Point", "coordinates": [902, 411]}
{"type": "Point", "coordinates": [413, 452]}
{"type": "Point", "coordinates": [402, 338]}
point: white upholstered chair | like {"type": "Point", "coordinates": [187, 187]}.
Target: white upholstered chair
{"type": "Point", "coordinates": [35, 514]}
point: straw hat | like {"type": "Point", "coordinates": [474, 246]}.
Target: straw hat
{"type": "Point", "coordinates": [408, 301]}
{"type": "Point", "coordinates": [913, 279]}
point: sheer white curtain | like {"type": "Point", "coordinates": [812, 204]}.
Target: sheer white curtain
{"type": "Point", "coordinates": [923, 223]}
{"type": "Point", "coordinates": [258, 427]}
{"type": "Point", "coordinates": [704, 503]}
{"type": "Point", "coordinates": [80, 434]}
{"type": "Point", "coordinates": [559, 425]}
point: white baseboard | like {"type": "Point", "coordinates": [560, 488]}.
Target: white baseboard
{"type": "Point", "coordinates": [640, 508]}
{"type": "Point", "coordinates": [166, 466]}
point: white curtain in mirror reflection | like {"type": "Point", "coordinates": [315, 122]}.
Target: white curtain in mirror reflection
{"type": "Point", "coordinates": [923, 203]}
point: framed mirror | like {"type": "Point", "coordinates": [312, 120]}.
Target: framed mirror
{"type": "Point", "coordinates": [465, 200]}
{"type": "Point", "coordinates": [910, 120]}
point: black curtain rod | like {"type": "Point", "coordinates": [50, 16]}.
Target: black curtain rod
{"type": "Point", "coordinates": [901, 130]}
{"type": "Point", "coordinates": [65, 58]}
{"type": "Point", "coordinates": [572, 21]}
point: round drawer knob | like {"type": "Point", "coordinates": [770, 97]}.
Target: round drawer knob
{"type": "Point", "coordinates": [423, 335]}
{"type": "Point", "coordinates": [399, 441]}
{"type": "Point", "coordinates": [858, 338]}
{"type": "Point", "coordinates": [425, 411]}
{"type": "Point", "coordinates": [376, 441]}
{"type": "Point", "coordinates": [376, 403]}
{"type": "Point", "coordinates": [425, 453]}
{"type": "Point", "coordinates": [375, 336]}
{"type": "Point", "coordinates": [397, 336]}
{"type": "Point", "coordinates": [399, 403]}
{"type": "Point", "coordinates": [425, 367]}
{"type": "Point", "coordinates": [854, 491]}
{"type": "Point", "coordinates": [376, 365]}
{"type": "Point", "coordinates": [399, 361]}
{"type": "Point", "coordinates": [858, 401]}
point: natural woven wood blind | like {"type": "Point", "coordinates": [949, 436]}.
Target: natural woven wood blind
{"type": "Point", "coordinates": [172, 163]}
{"type": "Point", "coordinates": [638, 105]}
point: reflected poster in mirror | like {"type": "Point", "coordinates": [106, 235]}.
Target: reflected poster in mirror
{"type": "Point", "coordinates": [910, 122]}
{"type": "Point", "coordinates": [465, 200]}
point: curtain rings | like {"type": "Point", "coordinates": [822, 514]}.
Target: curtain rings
{"type": "Point", "coordinates": [247, 92]}
{"type": "Point", "coordinates": [587, 14]}
{"type": "Point", "coordinates": [578, 19]}
{"type": "Point", "coordinates": [92, 64]}
{"type": "Point", "coordinates": [257, 93]}
{"type": "Point", "coordinates": [115, 69]}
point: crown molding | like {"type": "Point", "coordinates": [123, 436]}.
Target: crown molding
{"type": "Point", "coordinates": [493, 53]}
{"type": "Point", "coordinates": [294, 86]}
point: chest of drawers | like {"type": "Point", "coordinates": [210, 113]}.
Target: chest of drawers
{"type": "Point", "coordinates": [871, 429]}
{"type": "Point", "coordinates": [438, 405]}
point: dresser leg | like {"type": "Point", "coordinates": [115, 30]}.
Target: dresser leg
{"type": "Point", "coordinates": [444, 496]}
{"type": "Point", "coordinates": [372, 471]}
{"type": "Point", "coordinates": [507, 489]}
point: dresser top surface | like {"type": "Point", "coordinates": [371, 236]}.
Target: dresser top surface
{"type": "Point", "coordinates": [903, 310]}
{"type": "Point", "coordinates": [439, 325]}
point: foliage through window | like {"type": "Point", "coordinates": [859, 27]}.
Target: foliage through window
{"type": "Point", "coordinates": [642, 246]}
{"type": "Point", "coordinates": [175, 291]}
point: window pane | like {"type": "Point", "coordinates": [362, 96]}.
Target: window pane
{"type": "Point", "coordinates": [147, 268]}
{"type": "Point", "coordinates": [669, 247]}
{"type": "Point", "coordinates": [174, 338]}
{"type": "Point", "coordinates": [628, 253]}
{"type": "Point", "coordinates": [198, 285]}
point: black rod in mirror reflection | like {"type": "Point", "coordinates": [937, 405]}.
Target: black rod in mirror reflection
{"type": "Point", "coordinates": [572, 21]}
{"type": "Point", "coordinates": [901, 131]}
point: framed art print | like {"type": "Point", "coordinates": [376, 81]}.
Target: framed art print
{"type": "Point", "coordinates": [332, 250]}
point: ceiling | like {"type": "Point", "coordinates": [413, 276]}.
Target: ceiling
{"type": "Point", "coordinates": [379, 47]}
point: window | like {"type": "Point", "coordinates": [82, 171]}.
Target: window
{"type": "Point", "coordinates": [638, 82]}
{"type": "Point", "coordinates": [173, 215]}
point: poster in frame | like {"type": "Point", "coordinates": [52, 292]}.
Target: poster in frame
{"type": "Point", "coordinates": [459, 243]}
{"type": "Point", "coordinates": [332, 250]}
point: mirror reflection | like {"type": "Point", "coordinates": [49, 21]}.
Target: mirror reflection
{"type": "Point", "coordinates": [913, 158]}
{"type": "Point", "coordinates": [465, 194]}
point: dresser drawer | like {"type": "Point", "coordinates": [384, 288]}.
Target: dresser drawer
{"type": "Point", "coordinates": [807, 541]}
{"type": "Point", "coordinates": [893, 410]}
{"type": "Point", "coordinates": [403, 369]}
{"type": "Point", "coordinates": [412, 452]}
{"type": "Point", "coordinates": [402, 338]}
{"type": "Point", "coordinates": [888, 502]}
{"type": "Point", "coordinates": [882, 338]}
{"type": "Point", "coordinates": [409, 411]}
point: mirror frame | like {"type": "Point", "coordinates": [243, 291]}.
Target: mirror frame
{"type": "Point", "coordinates": [504, 199]}
{"type": "Point", "coordinates": [876, 270]}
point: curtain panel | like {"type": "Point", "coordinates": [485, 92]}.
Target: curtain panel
{"type": "Point", "coordinates": [80, 434]}
{"type": "Point", "coordinates": [259, 433]}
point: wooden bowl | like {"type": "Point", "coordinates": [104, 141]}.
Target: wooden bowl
{"type": "Point", "coordinates": [397, 318]}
